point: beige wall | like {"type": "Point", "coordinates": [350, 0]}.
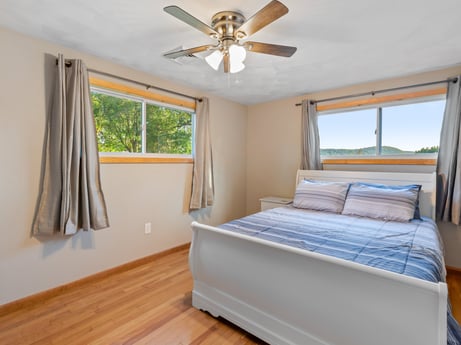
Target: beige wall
{"type": "Point", "coordinates": [273, 150]}
{"type": "Point", "coordinates": [135, 193]}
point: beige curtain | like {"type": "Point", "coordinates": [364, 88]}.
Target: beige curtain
{"type": "Point", "coordinates": [310, 148]}
{"type": "Point", "coordinates": [70, 196]}
{"type": "Point", "coordinates": [449, 158]}
{"type": "Point", "coordinates": [202, 179]}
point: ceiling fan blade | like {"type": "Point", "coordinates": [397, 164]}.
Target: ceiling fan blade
{"type": "Point", "coordinates": [271, 12]}
{"type": "Point", "coordinates": [190, 51]}
{"type": "Point", "coordinates": [226, 63]}
{"type": "Point", "coordinates": [272, 49]}
{"type": "Point", "coordinates": [187, 18]}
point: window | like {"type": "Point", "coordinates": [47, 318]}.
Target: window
{"type": "Point", "coordinates": [168, 130]}
{"type": "Point", "coordinates": [132, 125]}
{"type": "Point", "coordinates": [410, 128]}
{"type": "Point", "coordinates": [118, 122]}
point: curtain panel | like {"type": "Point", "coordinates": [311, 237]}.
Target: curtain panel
{"type": "Point", "coordinates": [449, 158]}
{"type": "Point", "coordinates": [202, 179]}
{"type": "Point", "coordinates": [70, 196]}
{"type": "Point", "coordinates": [310, 148]}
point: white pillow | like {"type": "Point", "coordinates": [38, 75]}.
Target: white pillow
{"type": "Point", "coordinates": [321, 195]}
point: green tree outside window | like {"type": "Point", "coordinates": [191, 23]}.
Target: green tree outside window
{"type": "Point", "coordinates": [119, 126]}
{"type": "Point", "coordinates": [168, 130]}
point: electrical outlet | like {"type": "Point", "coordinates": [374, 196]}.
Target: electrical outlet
{"type": "Point", "coordinates": [147, 228]}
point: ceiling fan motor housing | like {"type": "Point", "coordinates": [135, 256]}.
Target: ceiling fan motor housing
{"type": "Point", "coordinates": [226, 24]}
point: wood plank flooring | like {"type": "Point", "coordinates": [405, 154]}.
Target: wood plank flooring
{"type": "Point", "coordinates": [454, 291]}
{"type": "Point", "coordinates": [148, 304]}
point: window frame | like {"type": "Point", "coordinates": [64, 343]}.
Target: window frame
{"type": "Point", "coordinates": [378, 103]}
{"type": "Point", "coordinates": [145, 97]}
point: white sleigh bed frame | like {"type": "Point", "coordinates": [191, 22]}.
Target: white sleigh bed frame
{"type": "Point", "coordinates": [286, 295]}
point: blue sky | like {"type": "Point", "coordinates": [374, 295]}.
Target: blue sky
{"type": "Point", "coordinates": [408, 127]}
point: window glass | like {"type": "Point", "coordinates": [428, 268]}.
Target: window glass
{"type": "Point", "coordinates": [168, 130]}
{"type": "Point", "coordinates": [131, 125]}
{"type": "Point", "coordinates": [348, 133]}
{"type": "Point", "coordinates": [412, 128]}
{"type": "Point", "coordinates": [118, 123]}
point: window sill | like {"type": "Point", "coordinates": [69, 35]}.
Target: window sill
{"type": "Point", "coordinates": [144, 160]}
{"type": "Point", "coordinates": [381, 161]}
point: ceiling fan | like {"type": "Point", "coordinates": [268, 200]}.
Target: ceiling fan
{"type": "Point", "coordinates": [229, 28]}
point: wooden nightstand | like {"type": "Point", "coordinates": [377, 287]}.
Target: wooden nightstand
{"type": "Point", "coordinates": [269, 202]}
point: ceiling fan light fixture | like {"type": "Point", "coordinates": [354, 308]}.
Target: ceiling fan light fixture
{"type": "Point", "coordinates": [237, 53]}
{"type": "Point", "coordinates": [214, 59]}
{"type": "Point", "coordinates": [236, 67]}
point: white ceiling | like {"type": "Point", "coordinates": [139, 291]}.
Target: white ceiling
{"type": "Point", "coordinates": [339, 42]}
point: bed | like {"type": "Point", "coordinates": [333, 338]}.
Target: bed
{"type": "Point", "coordinates": [285, 293]}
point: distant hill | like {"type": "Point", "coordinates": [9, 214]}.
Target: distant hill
{"type": "Point", "coordinates": [365, 151]}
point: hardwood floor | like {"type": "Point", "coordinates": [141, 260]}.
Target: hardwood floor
{"type": "Point", "coordinates": [454, 291]}
{"type": "Point", "coordinates": [148, 304]}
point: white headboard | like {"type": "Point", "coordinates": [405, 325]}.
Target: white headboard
{"type": "Point", "coordinates": [426, 180]}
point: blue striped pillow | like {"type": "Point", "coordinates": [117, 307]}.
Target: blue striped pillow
{"type": "Point", "coordinates": [320, 195]}
{"type": "Point", "coordinates": [395, 203]}
{"type": "Point", "coordinates": [416, 187]}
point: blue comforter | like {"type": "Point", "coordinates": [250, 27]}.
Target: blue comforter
{"type": "Point", "coordinates": [413, 248]}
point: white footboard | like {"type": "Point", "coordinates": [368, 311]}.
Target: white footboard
{"type": "Point", "coordinates": [285, 295]}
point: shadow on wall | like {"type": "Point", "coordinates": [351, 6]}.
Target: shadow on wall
{"type": "Point", "coordinates": [201, 215]}
{"type": "Point", "coordinates": [53, 244]}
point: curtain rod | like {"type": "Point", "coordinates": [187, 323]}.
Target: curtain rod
{"type": "Point", "coordinates": [372, 93]}
{"type": "Point", "coordinates": [147, 86]}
